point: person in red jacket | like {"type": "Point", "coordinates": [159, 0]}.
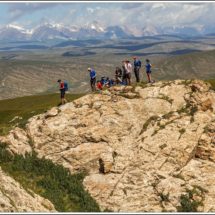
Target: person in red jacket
{"type": "Point", "coordinates": [99, 86]}
{"type": "Point", "coordinates": [62, 89]}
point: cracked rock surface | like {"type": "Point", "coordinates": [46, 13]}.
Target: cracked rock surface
{"type": "Point", "coordinates": [143, 147]}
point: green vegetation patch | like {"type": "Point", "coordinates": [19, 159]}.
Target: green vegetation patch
{"type": "Point", "coordinates": [49, 180]}
{"type": "Point", "coordinates": [25, 107]}
{"type": "Point", "coordinates": [147, 123]}
{"type": "Point", "coordinates": [190, 201]}
{"type": "Point", "coordinates": [166, 98]}
{"type": "Point", "coordinates": [164, 197]}
{"type": "Point", "coordinates": [212, 82]}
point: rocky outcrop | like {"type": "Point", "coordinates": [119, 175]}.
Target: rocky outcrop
{"type": "Point", "coordinates": [14, 198]}
{"type": "Point", "coordinates": [144, 148]}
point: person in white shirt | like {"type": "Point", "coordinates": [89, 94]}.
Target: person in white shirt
{"type": "Point", "coordinates": [128, 68]}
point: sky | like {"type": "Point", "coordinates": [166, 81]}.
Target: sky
{"type": "Point", "coordinates": [134, 15]}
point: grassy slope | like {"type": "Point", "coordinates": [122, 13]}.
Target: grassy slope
{"type": "Point", "coordinates": [26, 107]}
{"type": "Point", "coordinates": [212, 82]}
{"type": "Point", "coordinates": [49, 180]}
{"type": "Point", "coordinates": [188, 66]}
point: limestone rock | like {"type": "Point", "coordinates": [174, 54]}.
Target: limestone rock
{"type": "Point", "coordinates": [52, 112]}
{"type": "Point", "coordinates": [18, 141]}
{"type": "Point", "coordinates": [141, 153]}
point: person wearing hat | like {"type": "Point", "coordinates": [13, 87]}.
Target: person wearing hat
{"type": "Point", "coordinates": [63, 88]}
{"type": "Point", "coordinates": [137, 66]}
{"type": "Point", "coordinates": [92, 79]}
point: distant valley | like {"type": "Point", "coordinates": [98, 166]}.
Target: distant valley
{"type": "Point", "coordinates": [33, 67]}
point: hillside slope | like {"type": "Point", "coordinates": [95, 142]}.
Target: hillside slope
{"type": "Point", "coordinates": [189, 66]}
{"type": "Point", "coordinates": [29, 73]}
{"type": "Point", "coordinates": [145, 149]}
{"type": "Point", "coordinates": [16, 112]}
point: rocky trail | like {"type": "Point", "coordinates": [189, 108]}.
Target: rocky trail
{"type": "Point", "coordinates": [148, 148]}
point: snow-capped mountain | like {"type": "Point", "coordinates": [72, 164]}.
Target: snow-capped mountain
{"type": "Point", "coordinates": [96, 26]}
{"type": "Point", "coordinates": [51, 31]}
{"type": "Point", "coordinates": [13, 32]}
{"type": "Point", "coordinates": [48, 31]}
{"type": "Point", "coordinates": [94, 30]}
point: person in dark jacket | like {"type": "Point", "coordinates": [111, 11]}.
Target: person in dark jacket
{"type": "Point", "coordinates": [137, 66]}
{"type": "Point", "coordinates": [92, 79]}
{"type": "Point", "coordinates": [124, 79]}
{"type": "Point", "coordinates": [149, 71]}
{"type": "Point", "coordinates": [118, 75]}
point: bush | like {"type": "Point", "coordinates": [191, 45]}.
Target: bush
{"type": "Point", "coordinates": [189, 203]}
{"type": "Point", "coordinates": [49, 180]}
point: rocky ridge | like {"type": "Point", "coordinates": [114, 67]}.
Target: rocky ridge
{"type": "Point", "coordinates": [145, 148]}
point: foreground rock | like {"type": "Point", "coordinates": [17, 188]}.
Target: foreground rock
{"type": "Point", "coordinates": [144, 148]}
{"type": "Point", "coordinates": [14, 198]}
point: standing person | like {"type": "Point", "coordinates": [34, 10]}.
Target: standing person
{"type": "Point", "coordinates": [92, 79]}
{"type": "Point", "coordinates": [137, 66]}
{"type": "Point", "coordinates": [63, 87]}
{"type": "Point", "coordinates": [118, 75]}
{"type": "Point", "coordinates": [148, 71]}
{"type": "Point", "coordinates": [128, 68]}
{"type": "Point", "coordinates": [124, 80]}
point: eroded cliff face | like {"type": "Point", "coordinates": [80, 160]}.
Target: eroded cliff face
{"type": "Point", "coordinates": [14, 198]}
{"type": "Point", "coordinates": [144, 148]}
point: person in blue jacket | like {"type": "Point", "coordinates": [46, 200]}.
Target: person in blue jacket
{"type": "Point", "coordinates": [149, 71]}
{"type": "Point", "coordinates": [137, 66]}
{"type": "Point", "coordinates": [92, 79]}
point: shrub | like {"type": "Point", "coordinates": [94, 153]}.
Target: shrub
{"type": "Point", "coordinates": [189, 203]}
{"type": "Point", "coordinates": [49, 180]}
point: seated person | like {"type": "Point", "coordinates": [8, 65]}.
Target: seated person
{"type": "Point", "coordinates": [99, 85]}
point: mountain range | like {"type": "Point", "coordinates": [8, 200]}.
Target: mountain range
{"type": "Point", "coordinates": [48, 31]}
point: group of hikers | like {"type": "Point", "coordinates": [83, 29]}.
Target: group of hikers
{"type": "Point", "coordinates": [122, 77]}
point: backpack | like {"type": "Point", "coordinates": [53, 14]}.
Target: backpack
{"type": "Point", "coordinates": [66, 86]}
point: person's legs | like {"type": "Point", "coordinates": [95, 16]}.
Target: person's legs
{"type": "Point", "coordinates": [93, 84]}
{"type": "Point", "coordinates": [62, 96]}
{"type": "Point", "coordinates": [65, 100]}
{"type": "Point", "coordinates": [149, 77]}
{"type": "Point", "coordinates": [129, 78]}
{"type": "Point", "coordinates": [124, 78]}
{"type": "Point", "coordinates": [137, 75]}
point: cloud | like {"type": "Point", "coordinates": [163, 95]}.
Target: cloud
{"type": "Point", "coordinates": [160, 15]}
{"type": "Point", "coordinates": [17, 10]}
{"type": "Point", "coordinates": [131, 5]}
{"type": "Point", "coordinates": [90, 10]}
